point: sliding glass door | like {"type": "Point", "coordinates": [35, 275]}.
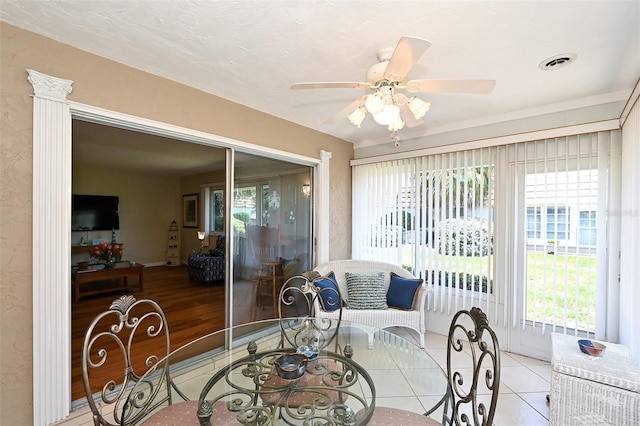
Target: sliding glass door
{"type": "Point", "coordinates": [270, 207]}
{"type": "Point", "coordinates": [272, 231]}
{"type": "Point", "coordinates": [560, 192]}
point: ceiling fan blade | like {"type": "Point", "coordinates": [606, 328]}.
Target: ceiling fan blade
{"type": "Point", "coordinates": [347, 110]}
{"type": "Point", "coordinates": [332, 85]}
{"type": "Point", "coordinates": [404, 57]}
{"type": "Point", "coordinates": [451, 86]}
{"type": "Point", "coordinates": [407, 116]}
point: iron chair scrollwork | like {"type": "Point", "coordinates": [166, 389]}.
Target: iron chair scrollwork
{"type": "Point", "coordinates": [470, 333]}
{"type": "Point", "coordinates": [253, 393]}
{"type": "Point", "coordinates": [132, 335]}
{"type": "Point", "coordinates": [296, 310]}
{"type": "Point", "coordinates": [258, 395]}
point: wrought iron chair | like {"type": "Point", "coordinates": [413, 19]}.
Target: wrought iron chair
{"type": "Point", "coordinates": [469, 332]}
{"type": "Point", "coordinates": [300, 327]}
{"type": "Point", "coordinates": [132, 336]}
{"type": "Point", "coordinates": [327, 378]}
{"type": "Point", "coordinates": [296, 310]}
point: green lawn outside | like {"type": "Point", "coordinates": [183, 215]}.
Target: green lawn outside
{"type": "Point", "coordinates": [568, 289]}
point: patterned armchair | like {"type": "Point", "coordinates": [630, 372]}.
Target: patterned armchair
{"type": "Point", "coordinates": [208, 267]}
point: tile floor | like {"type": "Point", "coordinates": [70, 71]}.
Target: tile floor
{"type": "Point", "coordinates": [524, 385]}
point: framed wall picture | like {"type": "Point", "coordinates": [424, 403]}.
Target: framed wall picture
{"type": "Point", "coordinates": [190, 211]}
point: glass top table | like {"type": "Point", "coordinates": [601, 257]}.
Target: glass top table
{"type": "Point", "coordinates": [233, 375]}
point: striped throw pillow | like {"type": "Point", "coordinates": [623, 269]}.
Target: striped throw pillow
{"type": "Point", "coordinates": [366, 291]}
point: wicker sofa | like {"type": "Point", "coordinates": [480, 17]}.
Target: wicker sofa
{"type": "Point", "coordinates": [593, 391]}
{"type": "Point", "coordinates": [413, 319]}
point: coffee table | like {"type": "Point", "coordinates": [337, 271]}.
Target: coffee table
{"type": "Point", "coordinates": [119, 274]}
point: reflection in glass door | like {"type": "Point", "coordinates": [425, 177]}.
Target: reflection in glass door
{"type": "Point", "coordinates": [272, 225]}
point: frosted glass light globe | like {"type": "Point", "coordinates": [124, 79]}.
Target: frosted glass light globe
{"type": "Point", "coordinates": [396, 124]}
{"type": "Point", "coordinates": [357, 116]}
{"type": "Point", "coordinates": [375, 103]}
{"type": "Point", "coordinates": [419, 107]}
{"type": "Point", "coordinates": [388, 114]}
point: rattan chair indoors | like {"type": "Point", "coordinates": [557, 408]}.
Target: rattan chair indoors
{"type": "Point", "coordinates": [468, 385]}
{"type": "Point", "coordinates": [120, 345]}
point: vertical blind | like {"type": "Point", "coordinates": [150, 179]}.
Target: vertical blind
{"type": "Point", "coordinates": [629, 216]}
{"type": "Point", "coordinates": [560, 191]}
{"type": "Point", "coordinates": [518, 230]}
{"type": "Point", "coordinates": [434, 216]}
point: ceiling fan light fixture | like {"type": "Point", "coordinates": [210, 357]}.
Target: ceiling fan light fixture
{"type": "Point", "coordinates": [419, 107]}
{"type": "Point", "coordinates": [357, 116]}
{"type": "Point", "coordinates": [375, 103]}
{"type": "Point", "coordinates": [396, 124]}
{"type": "Point", "coordinates": [388, 114]}
{"type": "Point", "coordinates": [396, 110]}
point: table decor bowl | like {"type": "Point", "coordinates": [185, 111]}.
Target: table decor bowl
{"type": "Point", "coordinates": [591, 347]}
{"type": "Point", "coordinates": [309, 351]}
{"type": "Point", "coordinates": [291, 366]}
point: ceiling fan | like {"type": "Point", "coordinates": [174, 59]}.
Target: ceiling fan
{"type": "Point", "coordinates": [386, 104]}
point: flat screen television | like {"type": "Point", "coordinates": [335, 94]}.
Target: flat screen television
{"type": "Point", "coordinates": [94, 212]}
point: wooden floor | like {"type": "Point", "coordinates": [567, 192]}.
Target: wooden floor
{"type": "Point", "coordinates": [192, 310]}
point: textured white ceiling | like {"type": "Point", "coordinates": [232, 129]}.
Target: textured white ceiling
{"type": "Point", "coordinates": [251, 52]}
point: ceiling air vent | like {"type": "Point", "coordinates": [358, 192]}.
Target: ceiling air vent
{"type": "Point", "coordinates": [557, 61]}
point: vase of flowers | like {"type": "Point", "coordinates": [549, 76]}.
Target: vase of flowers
{"type": "Point", "coordinates": [107, 254]}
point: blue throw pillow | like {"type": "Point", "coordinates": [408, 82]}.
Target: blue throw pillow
{"type": "Point", "coordinates": [329, 293]}
{"type": "Point", "coordinates": [402, 291]}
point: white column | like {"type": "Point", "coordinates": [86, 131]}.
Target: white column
{"type": "Point", "coordinates": [322, 215]}
{"type": "Point", "coordinates": [51, 248]}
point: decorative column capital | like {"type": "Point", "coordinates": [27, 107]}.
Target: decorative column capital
{"type": "Point", "coordinates": [45, 86]}
{"type": "Point", "coordinates": [325, 156]}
